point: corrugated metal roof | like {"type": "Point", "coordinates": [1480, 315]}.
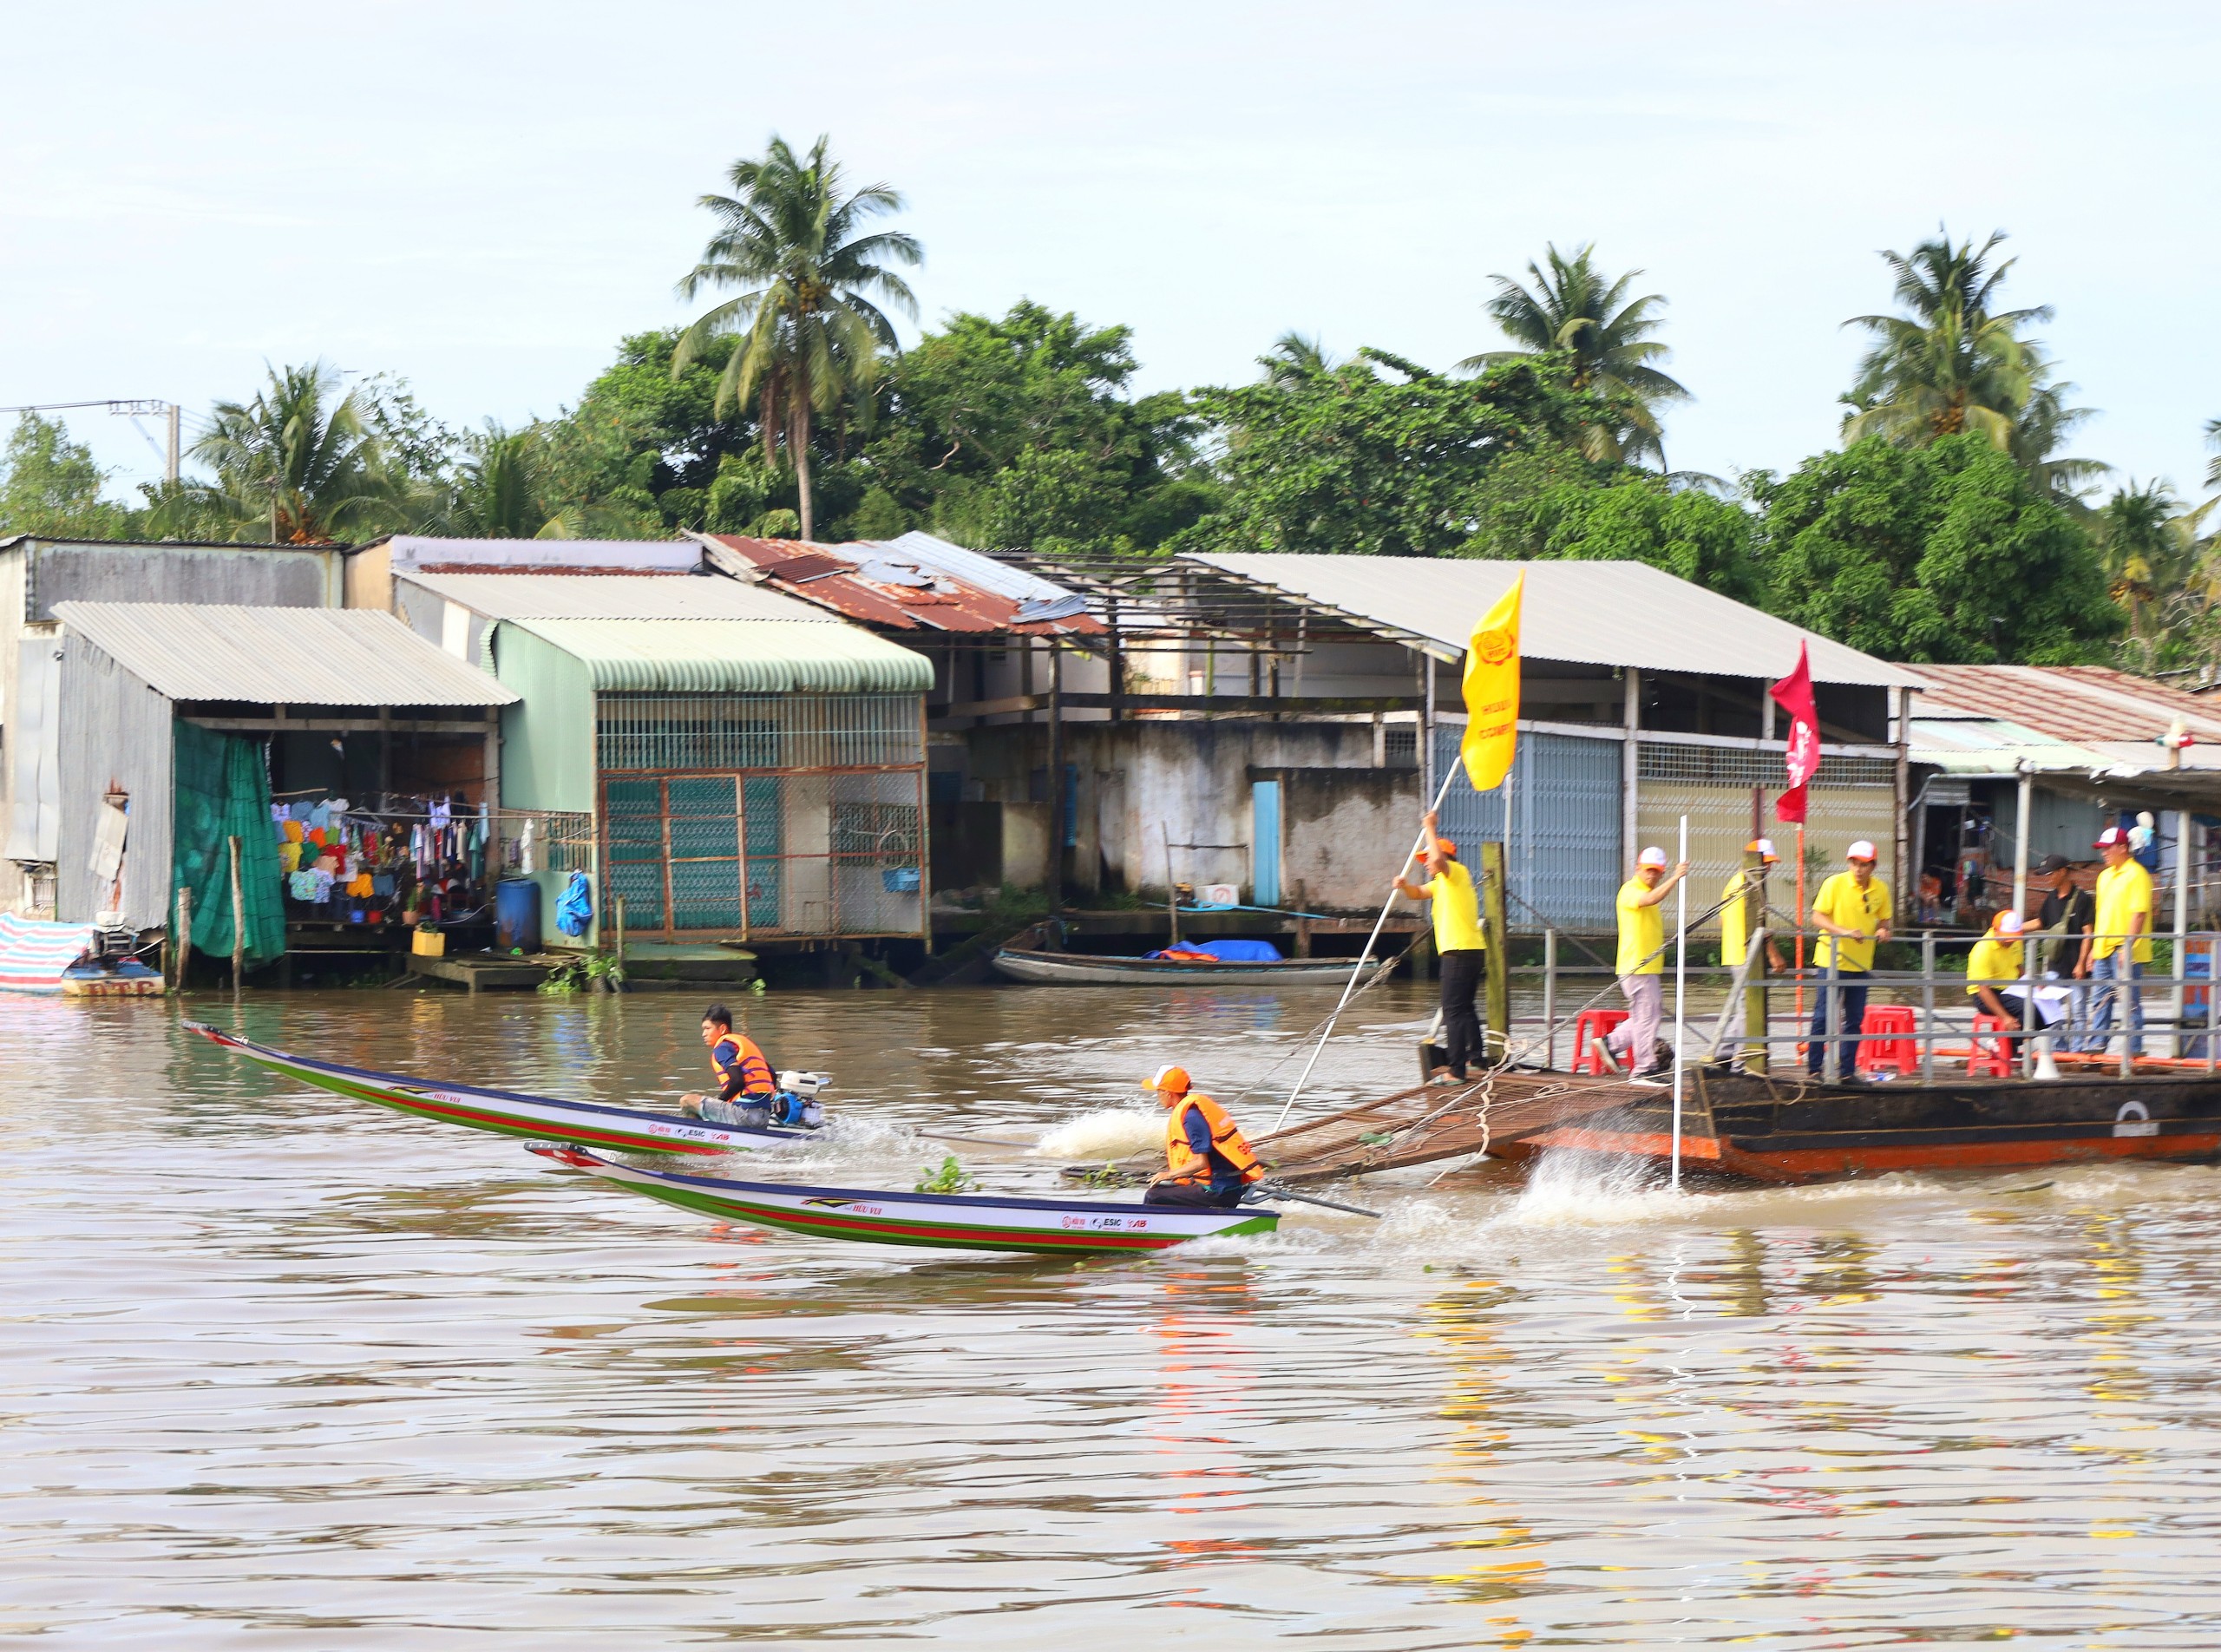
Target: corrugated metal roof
{"type": "Point", "coordinates": [2077, 703]}
{"type": "Point", "coordinates": [270, 656]}
{"type": "Point", "coordinates": [736, 655]}
{"type": "Point", "coordinates": [602, 596]}
{"type": "Point", "coordinates": [1596, 614]}
{"type": "Point", "coordinates": [664, 555]}
{"type": "Point", "coordinates": [914, 583]}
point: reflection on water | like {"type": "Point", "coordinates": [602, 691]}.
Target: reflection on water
{"type": "Point", "coordinates": [282, 1369]}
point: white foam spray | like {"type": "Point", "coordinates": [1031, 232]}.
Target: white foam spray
{"type": "Point", "coordinates": [1111, 1133]}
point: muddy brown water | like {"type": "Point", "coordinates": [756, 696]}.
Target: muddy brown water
{"type": "Point", "coordinates": [283, 1370]}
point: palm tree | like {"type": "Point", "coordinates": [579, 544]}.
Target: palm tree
{"type": "Point", "coordinates": [2150, 549]}
{"type": "Point", "coordinates": [1294, 360]}
{"type": "Point", "coordinates": [1573, 309]}
{"type": "Point", "coordinates": [300, 458]}
{"type": "Point", "coordinates": [809, 327]}
{"type": "Point", "coordinates": [1953, 364]}
{"type": "Point", "coordinates": [2213, 440]}
{"type": "Point", "coordinates": [2043, 426]}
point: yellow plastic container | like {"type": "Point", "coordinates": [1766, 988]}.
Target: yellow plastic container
{"type": "Point", "coordinates": [429, 942]}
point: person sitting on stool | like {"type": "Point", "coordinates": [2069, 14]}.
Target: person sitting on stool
{"type": "Point", "coordinates": [1459, 940]}
{"type": "Point", "coordinates": [1207, 1160]}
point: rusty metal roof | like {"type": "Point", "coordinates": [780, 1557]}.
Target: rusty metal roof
{"type": "Point", "coordinates": [914, 583]}
{"type": "Point", "coordinates": [2059, 718]}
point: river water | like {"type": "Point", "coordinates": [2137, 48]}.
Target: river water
{"type": "Point", "coordinates": [283, 1371]}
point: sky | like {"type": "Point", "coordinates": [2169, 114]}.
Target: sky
{"type": "Point", "coordinates": [485, 198]}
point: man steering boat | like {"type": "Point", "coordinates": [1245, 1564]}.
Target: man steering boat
{"type": "Point", "coordinates": [747, 1087]}
{"type": "Point", "coordinates": [1207, 1160]}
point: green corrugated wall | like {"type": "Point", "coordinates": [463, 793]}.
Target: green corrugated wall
{"type": "Point", "coordinates": [547, 753]}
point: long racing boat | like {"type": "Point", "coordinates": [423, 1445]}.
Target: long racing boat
{"type": "Point", "coordinates": [505, 1112]}
{"type": "Point", "coordinates": [933, 1220]}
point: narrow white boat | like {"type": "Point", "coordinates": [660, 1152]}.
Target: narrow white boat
{"type": "Point", "coordinates": [1091, 969]}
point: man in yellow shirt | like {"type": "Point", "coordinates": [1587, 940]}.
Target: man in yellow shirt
{"type": "Point", "coordinates": [1458, 942]}
{"type": "Point", "coordinates": [1852, 911]}
{"type": "Point", "coordinates": [1641, 964]}
{"type": "Point", "coordinates": [2119, 941]}
{"type": "Point", "coordinates": [1735, 940]}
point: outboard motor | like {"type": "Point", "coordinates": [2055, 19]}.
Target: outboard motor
{"type": "Point", "coordinates": [796, 1104]}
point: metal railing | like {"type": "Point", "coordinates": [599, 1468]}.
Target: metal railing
{"type": "Point", "coordinates": [2192, 1029]}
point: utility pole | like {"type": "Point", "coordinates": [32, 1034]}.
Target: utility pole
{"type": "Point", "coordinates": [171, 412]}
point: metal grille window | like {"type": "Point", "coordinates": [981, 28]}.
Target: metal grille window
{"type": "Point", "coordinates": [755, 816]}
{"type": "Point", "coordinates": [1710, 765]}
{"type": "Point", "coordinates": [670, 732]}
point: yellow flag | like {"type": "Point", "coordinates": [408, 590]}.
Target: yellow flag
{"type": "Point", "coordinates": [1492, 692]}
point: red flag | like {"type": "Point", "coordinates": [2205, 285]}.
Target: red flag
{"type": "Point", "coordinates": [1793, 693]}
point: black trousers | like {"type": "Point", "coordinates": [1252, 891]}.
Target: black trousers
{"type": "Point", "coordinates": [1462, 1045]}
{"type": "Point", "coordinates": [1208, 1195]}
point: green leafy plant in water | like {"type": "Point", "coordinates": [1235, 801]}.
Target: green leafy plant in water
{"type": "Point", "coordinates": [950, 1178]}
{"type": "Point", "coordinates": [1109, 1175]}
{"type": "Point", "coordinates": [584, 973]}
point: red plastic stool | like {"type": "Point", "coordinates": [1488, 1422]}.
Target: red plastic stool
{"type": "Point", "coordinates": [1894, 1051]}
{"type": "Point", "coordinates": [1592, 1024]}
{"type": "Point", "coordinates": [1994, 1059]}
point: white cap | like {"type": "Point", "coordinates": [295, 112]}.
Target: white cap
{"type": "Point", "coordinates": [1652, 856]}
{"type": "Point", "coordinates": [2009, 923]}
{"type": "Point", "coordinates": [1862, 851]}
{"type": "Point", "coordinates": [1766, 848]}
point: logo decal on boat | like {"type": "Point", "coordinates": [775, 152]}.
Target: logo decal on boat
{"type": "Point", "coordinates": [2134, 1118]}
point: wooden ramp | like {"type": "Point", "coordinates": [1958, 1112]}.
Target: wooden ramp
{"type": "Point", "coordinates": [1433, 1121]}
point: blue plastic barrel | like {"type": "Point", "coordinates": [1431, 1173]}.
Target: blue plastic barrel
{"type": "Point", "coordinates": [516, 915]}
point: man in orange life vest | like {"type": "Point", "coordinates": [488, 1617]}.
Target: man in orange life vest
{"type": "Point", "coordinates": [743, 1076]}
{"type": "Point", "coordinates": [1206, 1160]}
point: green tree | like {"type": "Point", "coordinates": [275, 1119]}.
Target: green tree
{"type": "Point", "coordinates": [1947, 552]}
{"type": "Point", "coordinates": [1550, 507]}
{"type": "Point", "coordinates": [1353, 460]}
{"type": "Point", "coordinates": [1576, 311]}
{"type": "Point", "coordinates": [974, 413]}
{"type": "Point", "coordinates": [299, 462]}
{"type": "Point", "coordinates": [2161, 571]}
{"type": "Point", "coordinates": [808, 318]}
{"type": "Point", "coordinates": [51, 486]}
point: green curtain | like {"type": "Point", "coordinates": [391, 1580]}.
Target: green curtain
{"type": "Point", "coordinates": [222, 791]}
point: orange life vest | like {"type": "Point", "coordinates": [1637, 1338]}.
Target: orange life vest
{"type": "Point", "coordinates": [735, 1054]}
{"type": "Point", "coordinates": [1186, 1165]}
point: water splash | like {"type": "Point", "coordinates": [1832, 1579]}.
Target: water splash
{"type": "Point", "coordinates": [1111, 1132]}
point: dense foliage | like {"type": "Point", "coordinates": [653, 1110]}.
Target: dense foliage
{"type": "Point", "coordinates": [1949, 528]}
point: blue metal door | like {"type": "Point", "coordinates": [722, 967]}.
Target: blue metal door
{"type": "Point", "coordinates": [1563, 848]}
{"type": "Point", "coordinates": [1265, 844]}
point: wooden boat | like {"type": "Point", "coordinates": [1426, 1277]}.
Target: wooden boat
{"type": "Point", "coordinates": [935, 1220]}
{"type": "Point", "coordinates": [1783, 1129]}
{"type": "Point", "coordinates": [507, 1113]}
{"type": "Point", "coordinates": [1093, 969]}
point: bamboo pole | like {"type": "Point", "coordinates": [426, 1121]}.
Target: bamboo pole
{"type": "Point", "coordinates": [184, 948]}
{"type": "Point", "coordinates": [2182, 926]}
{"type": "Point", "coordinates": [1550, 999]}
{"type": "Point", "coordinates": [1756, 1023]}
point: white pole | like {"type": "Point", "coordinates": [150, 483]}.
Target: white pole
{"type": "Point", "coordinates": [1349, 987]}
{"type": "Point", "coordinates": [2182, 923]}
{"type": "Point", "coordinates": [1680, 982]}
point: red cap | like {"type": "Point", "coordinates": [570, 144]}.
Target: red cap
{"type": "Point", "coordinates": [2110, 836]}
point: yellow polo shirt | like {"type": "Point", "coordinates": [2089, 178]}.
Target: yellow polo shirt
{"type": "Point", "coordinates": [1734, 939]}
{"type": "Point", "coordinates": [1841, 900]}
{"type": "Point", "coordinates": [2123, 891]}
{"type": "Point", "coordinates": [1642, 931]}
{"type": "Point", "coordinates": [1994, 960]}
{"type": "Point", "coordinates": [1457, 910]}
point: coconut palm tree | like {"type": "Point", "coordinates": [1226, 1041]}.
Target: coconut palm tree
{"type": "Point", "coordinates": [1575, 309]}
{"type": "Point", "coordinates": [2150, 547]}
{"type": "Point", "coordinates": [2043, 426]}
{"type": "Point", "coordinates": [807, 316]}
{"type": "Point", "coordinates": [299, 459]}
{"type": "Point", "coordinates": [1954, 364]}
{"type": "Point", "coordinates": [1295, 359]}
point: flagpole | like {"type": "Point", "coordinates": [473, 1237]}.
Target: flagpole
{"type": "Point", "coordinates": [1680, 985]}
{"type": "Point", "coordinates": [1800, 923]}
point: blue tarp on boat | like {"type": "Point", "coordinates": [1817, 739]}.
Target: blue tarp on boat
{"type": "Point", "coordinates": [1233, 952]}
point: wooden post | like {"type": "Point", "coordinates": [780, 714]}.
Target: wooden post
{"type": "Point", "coordinates": [1058, 824]}
{"type": "Point", "coordinates": [184, 944]}
{"type": "Point", "coordinates": [238, 921]}
{"type": "Point", "coordinates": [1550, 999]}
{"type": "Point", "coordinates": [1928, 1007]}
{"type": "Point", "coordinates": [1496, 1047]}
{"type": "Point", "coordinates": [1755, 1025]}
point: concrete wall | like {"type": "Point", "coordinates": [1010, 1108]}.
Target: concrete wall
{"type": "Point", "coordinates": [547, 752]}
{"type": "Point", "coordinates": [115, 733]}
{"type": "Point", "coordinates": [252, 576]}
{"type": "Point", "coordinates": [1144, 784]}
